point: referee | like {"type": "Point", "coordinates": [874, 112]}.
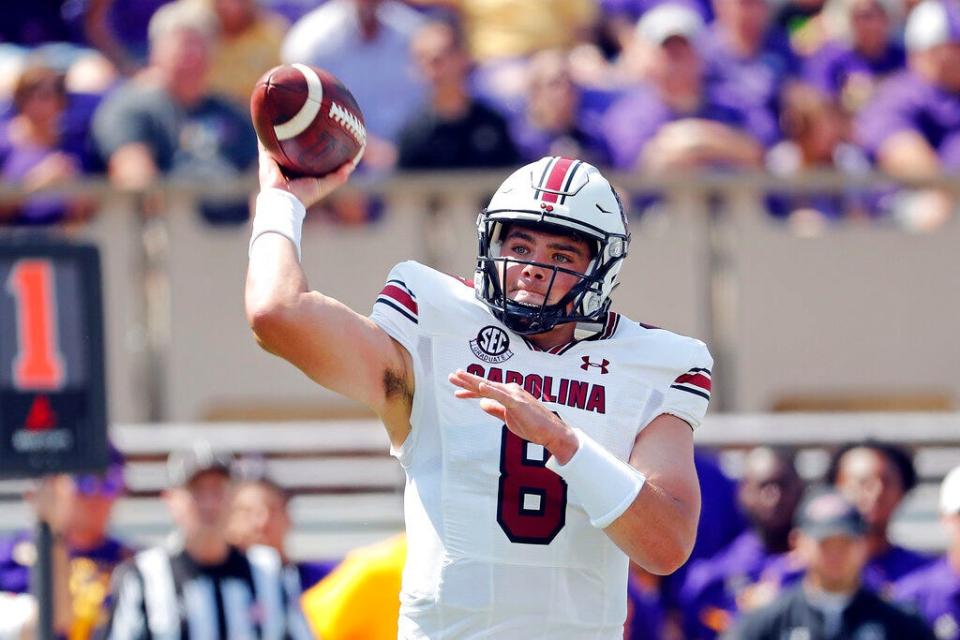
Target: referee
{"type": "Point", "coordinates": [197, 586]}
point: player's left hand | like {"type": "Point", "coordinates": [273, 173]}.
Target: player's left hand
{"type": "Point", "coordinates": [523, 414]}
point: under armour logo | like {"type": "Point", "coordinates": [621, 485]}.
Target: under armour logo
{"type": "Point", "coordinates": [546, 207]}
{"type": "Point", "coordinates": [602, 364]}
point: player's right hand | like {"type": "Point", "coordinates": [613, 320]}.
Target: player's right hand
{"type": "Point", "coordinates": [308, 190]}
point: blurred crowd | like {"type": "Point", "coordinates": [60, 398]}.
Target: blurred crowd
{"type": "Point", "coordinates": [775, 551]}
{"type": "Point", "coordinates": [139, 89]}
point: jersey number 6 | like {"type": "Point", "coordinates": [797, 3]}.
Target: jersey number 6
{"type": "Point", "coordinates": [532, 501]}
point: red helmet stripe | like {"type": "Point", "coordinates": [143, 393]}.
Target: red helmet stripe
{"type": "Point", "coordinates": [555, 179]}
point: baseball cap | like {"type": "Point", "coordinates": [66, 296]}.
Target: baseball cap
{"type": "Point", "coordinates": [950, 493]}
{"type": "Point", "coordinates": [830, 514]}
{"type": "Point", "coordinates": [665, 21]}
{"type": "Point", "coordinates": [932, 23]}
{"type": "Point", "coordinates": [109, 483]}
{"type": "Point", "coordinates": [185, 464]}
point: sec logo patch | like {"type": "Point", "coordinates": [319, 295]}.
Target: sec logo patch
{"type": "Point", "coordinates": [492, 345]}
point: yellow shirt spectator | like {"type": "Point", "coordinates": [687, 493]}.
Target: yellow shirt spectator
{"type": "Point", "coordinates": [360, 599]}
{"type": "Point", "coordinates": [247, 45]}
{"type": "Point", "coordinates": [517, 28]}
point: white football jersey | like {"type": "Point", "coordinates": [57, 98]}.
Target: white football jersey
{"type": "Point", "coordinates": [498, 546]}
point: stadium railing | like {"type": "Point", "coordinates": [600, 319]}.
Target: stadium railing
{"type": "Point", "coordinates": [856, 316]}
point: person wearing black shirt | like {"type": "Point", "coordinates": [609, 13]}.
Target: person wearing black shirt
{"type": "Point", "coordinates": [831, 601]}
{"type": "Point", "coordinates": [454, 131]}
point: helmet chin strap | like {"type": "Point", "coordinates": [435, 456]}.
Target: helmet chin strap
{"type": "Point", "coordinates": [584, 330]}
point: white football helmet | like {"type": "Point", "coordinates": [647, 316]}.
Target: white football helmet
{"type": "Point", "coordinates": [561, 195]}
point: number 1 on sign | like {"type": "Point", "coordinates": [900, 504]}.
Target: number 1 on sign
{"type": "Point", "coordinates": [38, 363]}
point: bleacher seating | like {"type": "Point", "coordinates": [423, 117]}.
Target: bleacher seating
{"type": "Point", "coordinates": [348, 489]}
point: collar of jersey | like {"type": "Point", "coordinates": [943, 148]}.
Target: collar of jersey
{"type": "Point", "coordinates": [609, 328]}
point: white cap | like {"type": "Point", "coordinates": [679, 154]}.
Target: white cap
{"type": "Point", "coordinates": [950, 493]}
{"type": "Point", "coordinates": [667, 20]}
{"type": "Point", "coordinates": [932, 23]}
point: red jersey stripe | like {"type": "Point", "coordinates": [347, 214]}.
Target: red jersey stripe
{"type": "Point", "coordinates": [394, 292]}
{"type": "Point", "coordinates": [695, 379]}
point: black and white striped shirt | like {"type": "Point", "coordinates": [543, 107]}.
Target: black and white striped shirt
{"type": "Point", "coordinates": [162, 594]}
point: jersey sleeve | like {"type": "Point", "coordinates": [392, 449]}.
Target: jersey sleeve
{"type": "Point", "coordinates": [689, 394]}
{"type": "Point", "coordinates": [395, 309]}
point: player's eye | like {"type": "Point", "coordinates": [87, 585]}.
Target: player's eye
{"type": "Point", "coordinates": [563, 258]}
{"type": "Point", "coordinates": [519, 249]}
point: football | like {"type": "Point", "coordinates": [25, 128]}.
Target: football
{"type": "Point", "coordinates": [307, 120]}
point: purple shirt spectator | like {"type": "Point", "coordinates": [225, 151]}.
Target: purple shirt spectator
{"type": "Point", "coordinates": [934, 592]}
{"type": "Point", "coordinates": [556, 120]}
{"type": "Point", "coordinates": [721, 521]}
{"type": "Point", "coordinates": [749, 85]}
{"type": "Point", "coordinates": [532, 143]}
{"type": "Point", "coordinates": [645, 617]}
{"type": "Point", "coordinates": [18, 555]}
{"type": "Point", "coordinates": [896, 562]}
{"type": "Point", "coordinates": [633, 9]}
{"type": "Point", "coordinates": [16, 163]}
{"type": "Point", "coordinates": [634, 119]}
{"type": "Point", "coordinates": [710, 593]}
{"type": "Point", "coordinates": [128, 21]}
{"type": "Point", "coordinates": [906, 102]}
{"type": "Point", "coordinates": [849, 76]}
{"type": "Point", "coordinates": [39, 22]}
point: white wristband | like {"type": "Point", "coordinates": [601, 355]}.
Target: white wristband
{"type": "Point", "coordinates": [605, 485]}
{"type": "Point", "coordinates": [278, 211]}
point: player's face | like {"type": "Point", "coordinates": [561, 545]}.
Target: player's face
{"type": "Point", "coordinates": [528, 284]}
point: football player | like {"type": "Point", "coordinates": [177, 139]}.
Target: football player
{"type": "Point", "coordinates": [546, 440]}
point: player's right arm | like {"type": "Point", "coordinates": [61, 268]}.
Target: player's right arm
{"type": "Point", "coordinates": [335, 346]}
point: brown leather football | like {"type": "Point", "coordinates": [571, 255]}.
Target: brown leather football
{"type": "Point", "coordinates": [307, 120]}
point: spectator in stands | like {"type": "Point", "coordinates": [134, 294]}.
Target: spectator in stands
{"type": "Point", "coordinates": [260, 515]}
{"type": "Point", "coordinates": [875, 476]}
{"type": "Point", "coordinates": [119, 29]}
{"type": "Point", "coordinates": [935, 590]}
{"type": "Point", "coordinates": [35, 154]}
{"type": "Point", "coordinates": [78, 510]}
{"type": "Point", "coordinates": [832, 600]}
{"type": "Point", "coordinates": [165, 122]}
{"type": "Point", "coordinates": [912, 126]}
{"type": "Point", "coordinates": [32, 24]}
{"type": "Point", "coordinates": [672, 122]}
{"type": "Point", "coordinates": [501, 35]}
{"type": "Point", "coordinates": [748, 60]}
{"type": "Point", "coordinates": [816, 138]}
{"type": "Point", "coordinates": [248, 44]}
{"type": "Point", "coordinates": [747, 572]}
{"type": "Point", "coordinates": [646, 618]}
{"type": "Point", "coordinates": [551, 123]}
{"type": "Point", "coordinates": [455, 131]}
{"type": "Point", "coordinates": [721, 522]}
{"type": "Point", "coordinates": [366, 44]}
{"type": "Point", "coordinates": [861, 51]}
{"type": "Point", "coordinates": [361, 596]}
{"type": "Point", "coordinates": [197, 585]}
